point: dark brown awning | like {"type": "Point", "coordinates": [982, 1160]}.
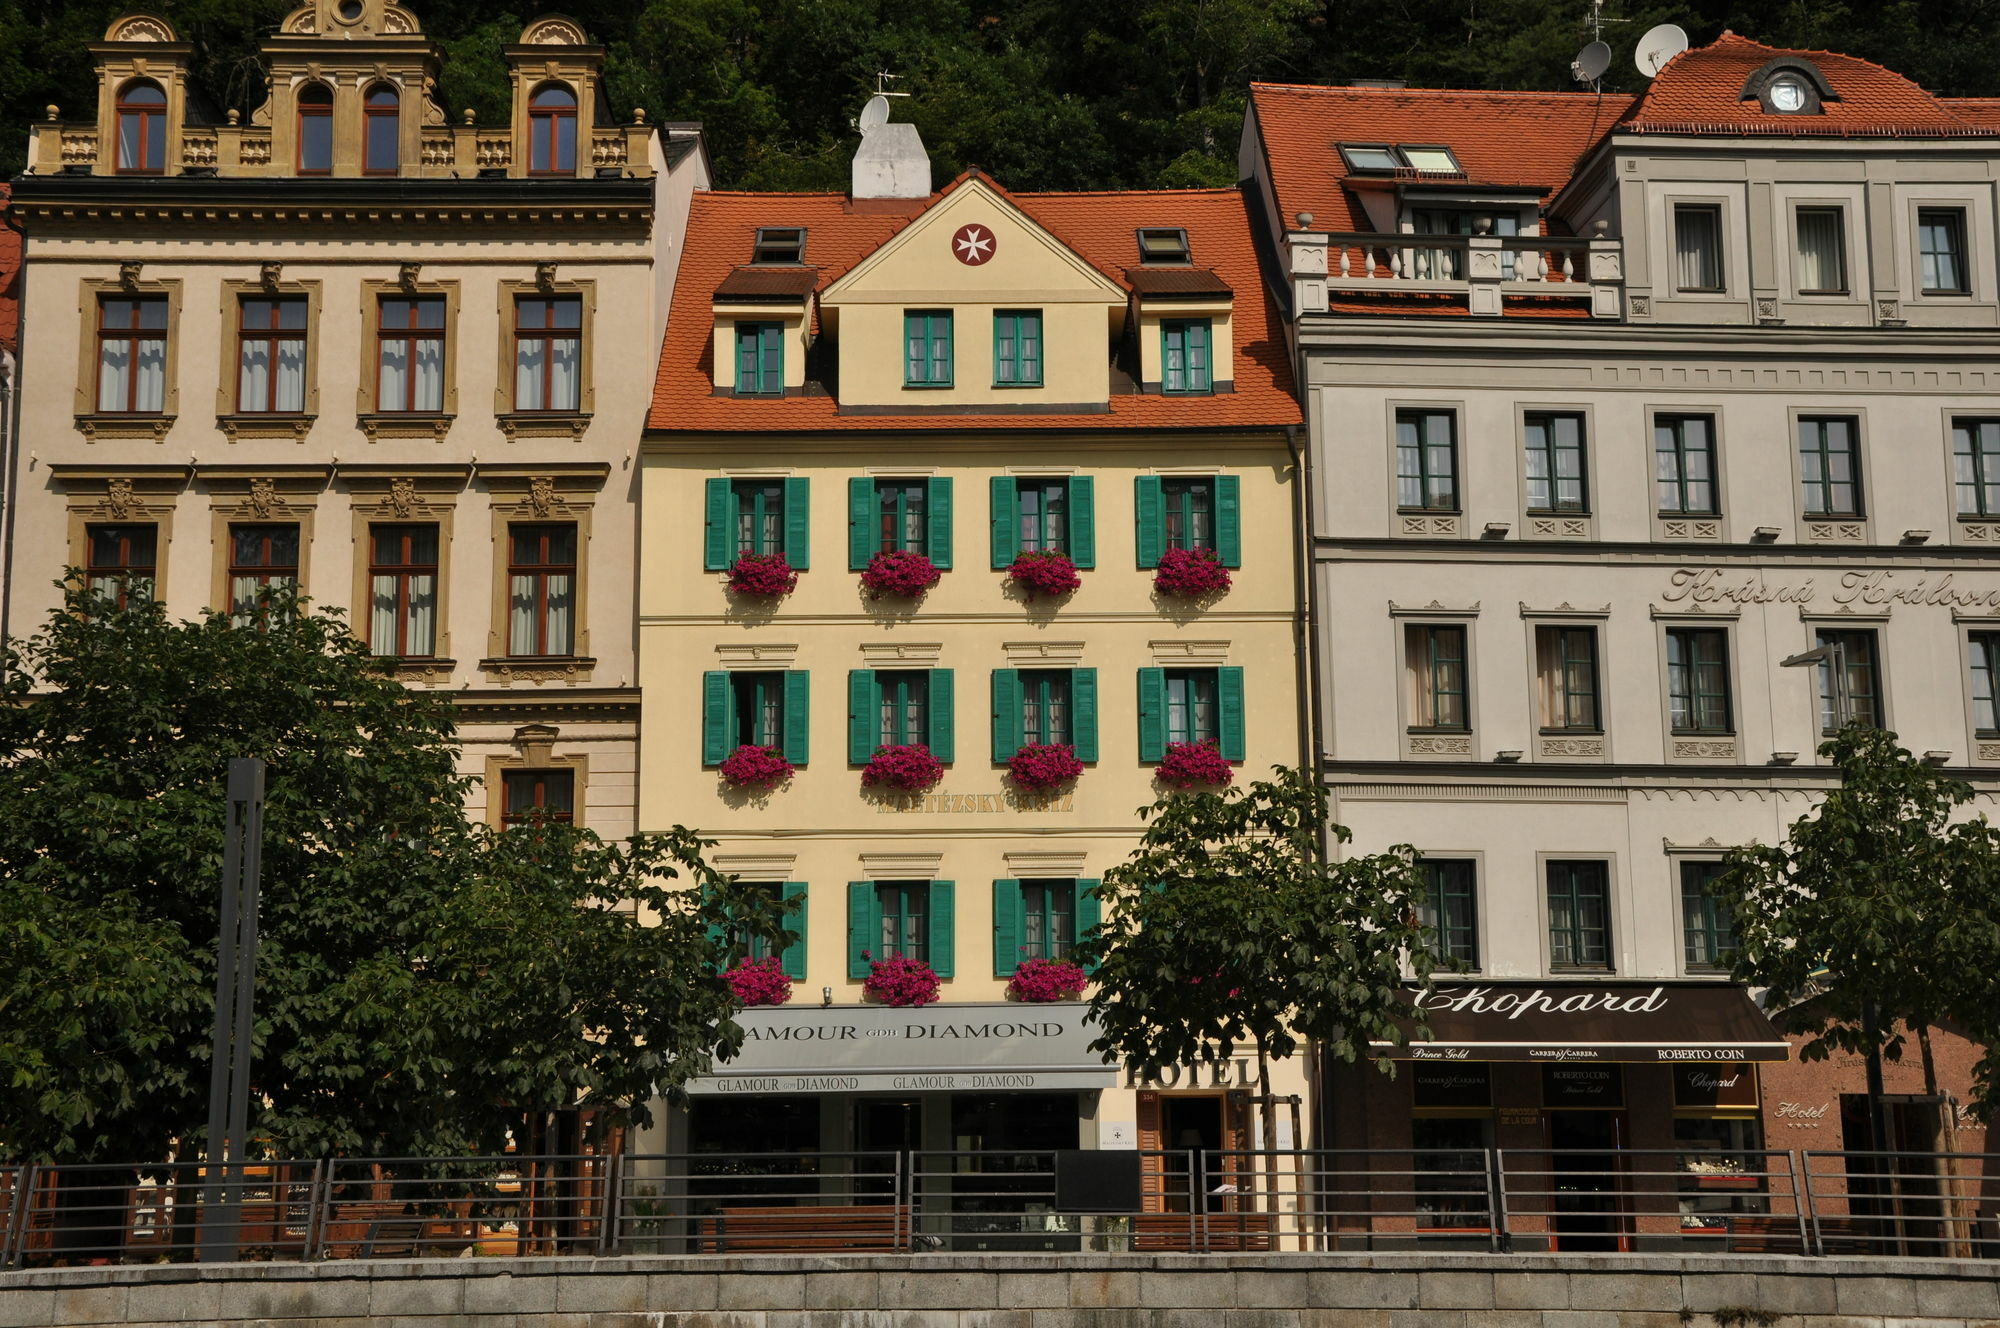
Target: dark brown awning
{"type": "Point", "coordinates": [1650, 1022]}
{"type": "Point", "coordinates": [767, 285]}
{"type": "Point", "coordinates": [1177, 283]}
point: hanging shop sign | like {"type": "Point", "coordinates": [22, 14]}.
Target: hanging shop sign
{"type": "Point", "coordinates": [1583, 1086]}
{"type": "Point", "coordinates": [1715, 1085]}
{"type": "Point", "coordinates": [1451, 1084]}
{"type": "Point", "coordinates": [933, 1048]}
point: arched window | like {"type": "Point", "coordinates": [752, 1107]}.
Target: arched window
{"type": "Point", "coordinates": [142, 129]}
{"type": "Point", "coordinates": [381, 114]}
{"type": "Point", "coordinates": [315, 103]}
{"type": "Point", "coordinates": [552, 131]}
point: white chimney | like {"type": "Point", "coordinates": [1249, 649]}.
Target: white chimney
{"type": "Point", "coordinates": [891, 161]}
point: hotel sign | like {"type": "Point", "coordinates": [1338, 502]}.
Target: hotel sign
{"type": "Point", "coordinates": [933, 1048]}
{"type": "Point", "coordinates": [1717, 587]}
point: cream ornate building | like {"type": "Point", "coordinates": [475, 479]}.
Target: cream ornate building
{"type": "Point", "coordinates": [1616, 405]}
{"type": "Point", "coordinates": [366, 345]}
{"type": "Point", "coordinates": [965, 375]}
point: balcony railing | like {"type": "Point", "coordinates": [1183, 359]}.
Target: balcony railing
{"type": "Point", "coordinates": [1484, 275]}
{"type": "Point", "coordinates": [1497, 1201]}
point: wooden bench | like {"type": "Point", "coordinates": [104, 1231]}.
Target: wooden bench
{"type": "Point", "coordinates": [854, 1228]}
{"type": "Point", "coordinates": [414, 1235]}
{"type": "Point", "coordinates": [1183, 1233]}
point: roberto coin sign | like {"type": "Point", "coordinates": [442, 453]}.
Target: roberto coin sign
{"type": "Point", "coordinates": [948, 1048]}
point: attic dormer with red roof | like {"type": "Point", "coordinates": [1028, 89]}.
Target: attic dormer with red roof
{"type": "Point", "coordinates": [1747, 185]}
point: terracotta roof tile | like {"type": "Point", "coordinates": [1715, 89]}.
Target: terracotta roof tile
{"type": "Point", "coordinates": [749, 284]}
{"type": "Point", "coordinates": [10, 279]}
{"type": "Point", "coordinates": [1511, 139]}
{"type": "Point", "coordinates": [1197, 282]}
{"type": "Point", "coordinates": [1098, 226]}
{"type": "Point", "coordinates": [1700, 91]}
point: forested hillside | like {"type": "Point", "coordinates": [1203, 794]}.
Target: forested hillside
{"type": "Point", "coordinates": [1043, 93]}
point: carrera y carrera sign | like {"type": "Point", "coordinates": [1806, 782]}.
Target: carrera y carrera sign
{"type": "Point", "coordinates": [1688, 1022]}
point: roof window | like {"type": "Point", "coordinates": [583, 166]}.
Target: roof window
{"type": "Point", "coordinates": [1383, 158]}
{"type": "Point", "coordinates": [1163, 244]}
{"type": "Point", "coordinates": [779, 244]}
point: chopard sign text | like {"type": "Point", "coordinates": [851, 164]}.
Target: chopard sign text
{"type": "Point", "coordinates": [1717, 586]}
{"type": "Point", "coordinates": [1484, 1000]}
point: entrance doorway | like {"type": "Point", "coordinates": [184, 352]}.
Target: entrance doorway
{"type": "Point", "coordinates": [885, 1129]}
{"type": "Point", "coordinates": [1898, 1199]}
{"type": "Point", "coordinates": [1584, 1176]}
{"type": "Point", "coordinates": [1190, 1124]}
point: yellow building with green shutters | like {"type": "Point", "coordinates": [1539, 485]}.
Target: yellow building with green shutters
{"type": "Point", "coordinates": [958, 379]}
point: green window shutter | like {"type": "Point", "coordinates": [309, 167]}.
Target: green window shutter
{"type": "Point", "coordinates": [1006, 928]}
{"type": "Point", "coordinates": [1082, 521]}
{"type": "Point", "coordinates": [771, 351]}
{"type": "Point", "coordinates": [1229, 520]}
{"type": "Point", "coordinates": [1083, 712]}
{"type": "Point", "coordinates": [864, 716]}
{"type": "Point", "coordinates": [1149, 511]}
{"type": "Point", "coordinates": [793, 894]}
{"type": "Point", "coordinates": [798, 521]}
{"type": "Point", "coordinates": [717, 542]}
{"type": "Point", "coordinates": [715, 734]}
{"type": "Point", "coordinates": [1006, 714]}
{"type": "Point", "coordinates": [1006, 521]}
{"type": "Point", "coordinates": [1229, 697]}
{"type": "Point", "coordinates": [944, 923]}
{"type": "Point", "coordinates": [937, 517]}
{"type": "Point", "coordinates": [942, 738]}
{"type": "Point", "coordinates": [1089, 909]}
{"type": "Point", "coordinates": [718, 936]}
{"type": "Point", "coordinates": [864, 926]}
{"type": "Point", "coordinates": [798, 715]}
{"type": "Point", "coordinates": [861, 528]}
{"type": "Point", "coordinates": [1152, 714]}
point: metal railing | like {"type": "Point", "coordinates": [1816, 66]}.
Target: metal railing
{"type": "Point", "coordinates": [1739, 1201]}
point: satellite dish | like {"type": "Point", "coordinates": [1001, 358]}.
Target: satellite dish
{"type": "Point", "coordinates": [1591, 62]}
{"type": "Point", "coordinates": [1659, 46]}
{"type": "Point", "coordinates": [875, 114]}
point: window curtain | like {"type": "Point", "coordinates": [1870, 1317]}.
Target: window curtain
{"type": "Point", "coordinates": [1820, 265]}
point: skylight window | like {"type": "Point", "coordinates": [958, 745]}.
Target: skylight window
{"type": "Point", "coordinates": [1163, 244]}
{"type": "Point", "coordinates": [1383, 158]}
{"type": "Point", "coordinates": [1369, 157]}
{"type": "Point", "coordinates": [779, 244]}
{"type": "Point", "coordinates": [1427, 158]}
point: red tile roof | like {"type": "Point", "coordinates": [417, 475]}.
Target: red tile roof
{"type": "Point", "coordinates": [1099, 227]}
{"type": "Point", "coordinates": [1510, 139]}
{"type": "Point", "coordinates": [10, 279]}
{"type": "Point", "coordinates": [1700, 91]}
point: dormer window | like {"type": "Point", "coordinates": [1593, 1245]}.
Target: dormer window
{"type": "Point", "coordinates": [1787, 94]}
{"type": "Point", "coordinates": [552, 131]}
{"type": "Point", "coordinates": [1368, 158]}
{"type": "Point", "coordinates": [779, 244]}
{"type": "Point", "coordinates": [1163, 244]}
{"type": "Point", "coordinates": [142, 129]}
{"type": "Point", "coordinates": [1385, 159]}
{"type": "Point", "coordinates": [315, 103]}
{"type": "Point", "coordinates": [1789, 86]}
{"type": "Point", "coordinates": [381, 114]}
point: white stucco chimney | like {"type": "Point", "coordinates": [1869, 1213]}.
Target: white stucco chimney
{"type": "Point", "coordinates": [891, 161]}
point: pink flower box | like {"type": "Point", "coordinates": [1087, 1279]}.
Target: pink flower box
{"type": "Point", "coordinates": [905, 769]}
{"type": "Point", "coordinates": [1193, 765]}
{"type": "Point", "coordinates": [1190, 573]}
{"type": "Point", "coordinates": [1051, 574]}
{"type": "Point", "coordinates": [1044, 766]}
{"type": "Point", "coordinates": [899, 980]}
{"type": "Point", "coordinates": [1041, 981]}
{"type": "Point", "coordinates": [899, 575]}
{"type": "Point", "coordinates": [759, 982]}
{"type": "Point", "coordinates": [763, 575]}
{"type": "Point", "coordinates": [756, 768]}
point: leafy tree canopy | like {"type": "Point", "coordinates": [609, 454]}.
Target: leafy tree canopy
{"type": "Point", "coordinates": [423, 982]}
{"type": "Point", "coordinates": [1047, 95]}
{"type": "Point", "coordinates": [1231, 927]}
{"type": "Point", "coordinates": [1882, 907]}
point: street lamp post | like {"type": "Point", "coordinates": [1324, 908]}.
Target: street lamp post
{"type": "Point", "coordinates": [1833, 655]}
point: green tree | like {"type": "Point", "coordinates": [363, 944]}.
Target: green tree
{"type": "Point", "coordinates": [1231, 926]}
{"type": "Point", "coordinates": [423, 982]}
{"type": "Point", "coordinates": [1882, 908]}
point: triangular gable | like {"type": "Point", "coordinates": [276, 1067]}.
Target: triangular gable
{"type": "Point", "coordinates": [924, 256]}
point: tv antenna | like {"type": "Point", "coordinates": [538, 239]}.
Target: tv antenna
{"type": "Point", "coordinates": [1596, 22]}
{"type": "Point", "coordinates": [1658, 46]}
{"type": "Point", "coordinates": [882, 77]}
{"type": "Point", "coordinates": [876, 113]}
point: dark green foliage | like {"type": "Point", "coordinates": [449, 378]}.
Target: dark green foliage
{"type": "Point", "coordinates": [422, 982]}
{"type": "Point", "coordinates": [1883, 895]}
{"type": "Point", "coordinates": [1230, 928]}
{"type": "Point", "coordinates": [1044, 94]}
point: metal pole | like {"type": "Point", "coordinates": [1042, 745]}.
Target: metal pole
{"type": "Point", "coordinates": [235, 984]}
